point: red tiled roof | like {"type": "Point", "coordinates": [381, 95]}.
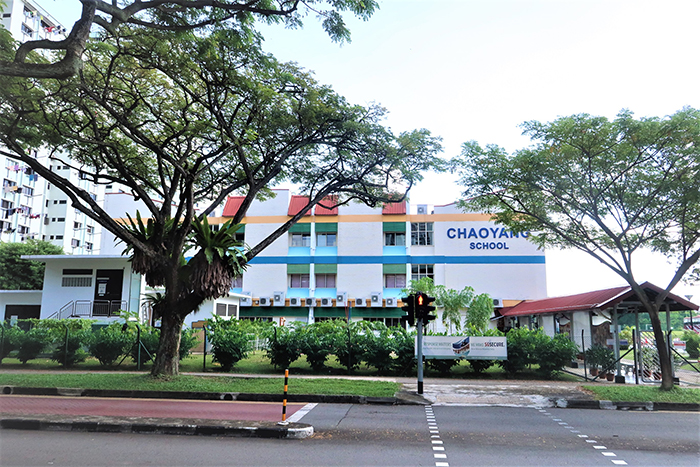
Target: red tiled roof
{"type": "Point", "coordinates": [394, 208]}
{"type": "Point", "coordinates": [296, 204]}
{"type": "Point", "coordinates": [233, 204]}
{"type": "Point", "coordinates": [601, 299]}
{"type": "Point", "coordinates": [328, 200]}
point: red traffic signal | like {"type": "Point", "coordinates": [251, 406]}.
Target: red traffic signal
{"type": "Point", "coordinates": [424, 307]}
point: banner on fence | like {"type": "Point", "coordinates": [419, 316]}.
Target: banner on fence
{"type": "Point", "coordinates": [470, 347]}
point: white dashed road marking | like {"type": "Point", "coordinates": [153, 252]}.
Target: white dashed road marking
{"type": "Point", "coordinates": [598, 447]}
{"type": "Point", "coordinates": [435, 441]}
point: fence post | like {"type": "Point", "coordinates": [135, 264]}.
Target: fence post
{"type": "Point", "coordinates": [65, 356]}
{"type": "Point", "coordinates": [204, 360]}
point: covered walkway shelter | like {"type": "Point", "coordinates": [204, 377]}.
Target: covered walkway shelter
{"type": "Point", "coordinates": [588, 318]}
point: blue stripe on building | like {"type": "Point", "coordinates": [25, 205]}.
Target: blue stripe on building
{"type": "Point", "coordinates": [398, 260]}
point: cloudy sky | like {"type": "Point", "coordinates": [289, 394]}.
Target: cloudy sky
{"type": "Point", "coordinates": [476, 69]}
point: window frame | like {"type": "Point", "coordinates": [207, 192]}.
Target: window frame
{"type": "Point", "coordinates": [422, 234]}
{"type": "Point", "coordinates": [324, 277]}
{"type": "Point", "coordinates": [429, 271]}
{"type": "Point", "coordinates": [394, 276]}
{"type": "Point", "coordinates": [301, 279]}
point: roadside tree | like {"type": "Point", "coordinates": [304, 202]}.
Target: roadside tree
{"type": "Point", "coordinates": [607, 188]}
{"type": "Point", "coordinates": [174, 16]}
{"type": "Point", "coordinates": [17, 273]}
{"type": "Point", "coordinates": [183, 131]}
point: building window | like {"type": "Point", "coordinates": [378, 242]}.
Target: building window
{"type": "Point", "coordinates": [88, 246]}
{"type": "Point", "coordinates": [301, 239]}
{"type": "Point", "coordinates": [389, 322]}
{"type": "Point", "coordinates": [394, 239]}
{"type": "Point", "coordinates": [239, 237]}
{"type": "Point", "coordinates": [75, 243]}
{"type": "Point", "coordinates": [326, 239]}
{"type": "Point", "coordinates": [28, 191]}
{"type": "Point", "coordinates": [421, 233]}
{"type": "Point", "coordinates": [89, 229]}
{"type": "Point", "coordinates": [59, 237]}
{"type": "Point", "coordinates": [237, 282]}
{"type": "Point", "coordinates": [419, 271]}
{"type": "Point", "coordinates": [394, 281]}
{"type": "Point", "coordinates": [325, 281]}
{"type": "Point", "coordinates": [77, 225]}
{"type": "Point", "coordinates": [60, 219]}
{"type": "Point", "coordinates": [299, 281]}
{"type": "Point", "coordinates": [222, 309]}
{"type": "Point", "coordinates": [63, 201]}
{"type": "Point", "coordinates": [76, 282]}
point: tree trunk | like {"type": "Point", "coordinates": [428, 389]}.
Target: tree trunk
{"type": "Point", "coordinates": [662, 348]}
{"type": "Point", "coordinates": [168, 357]}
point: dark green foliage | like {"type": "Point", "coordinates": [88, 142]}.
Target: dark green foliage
{"type": "Point", "coordinates": [442, 366]}
{"type": "Point", "coordinates": [18, 273]}
{"type": "Point", "coordinates": [32, 343]}
{"type": "Point", "coordinates": [150, 338]}
{"type": "Point", "coordinates": [692, 344]}
{"type": "Point", "coordinates": [479, 366]}
{"type": "Point", "coordinates": [378, 346]}
{"type": "Point", "coordinates": [522, 344]}
{"type": "Point", "coordinates": [283, 346]}
{"type": "Point", "coordinates": [404, 345]}
{"type": "Point", "coordinates": [349, 347]}
{"type": "Point", "coordinates": [187, 341]}
{"type": "Point", "coordinates": [230, 341]}
{"type": "Point", "coordinates": [600, 357]}
{"type": "Point", "coordinates": [109, 344]}
{"type": "Point", "coordinates": [316, 342]}
{"type": "Point", "coordinates": [73, 352]}
{"type": "Point", "coordinates": [554, 354]}
{"type": "Point", "coordinates": [10, 340]}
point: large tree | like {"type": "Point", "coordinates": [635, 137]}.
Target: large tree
{"type": "Point", "coordinates": [188, 120]}
{"type": "Point", "coordinates": [18, 273]}
{"type": "Point", "coordinates": [175, 15]}
{"type": "Point", "coordinates": [607, 188]}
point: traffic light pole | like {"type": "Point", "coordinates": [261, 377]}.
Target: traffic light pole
{"type": "Point", "coordinates": [419, 344]}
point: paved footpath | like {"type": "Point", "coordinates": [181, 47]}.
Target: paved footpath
{"type": "Point", "coordinates": [153, 408]}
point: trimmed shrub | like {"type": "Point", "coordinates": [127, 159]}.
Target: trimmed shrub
{"type": "Point", "coordinates": [188, 340]}
{"type": "Point", "coordinates": [555, 353]}
{"type": "Point", "coordinates": [348, 346]}
{"type": "Point", "coordinates": [230, 342]}
{"type": "Point", "coordinates": [378, 346]}
{"type": "Point", "coordinates": [692, 344]}
{"type": "Point", "coordinates": [70, 353]}
{"type": "Point", "coordinates": [283, 346]}
{"type": "Point", "coordinates": [10, 340]}
{"type": "Point", "coordinates": [109, 344]}
{"type": "Point", "coordinates": [522, 343]}
{"type": "Point", "coordinates": [32, 343]}
{"type": "Point", "coordinates": [150, 339]}
{"type": "Point", "coordinates": [404, 345]}
{"type": "Point", "coordinates": [316, 343]}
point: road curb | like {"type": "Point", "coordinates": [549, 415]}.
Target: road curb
{"type": "Point", "coordinates": [192, 427]}
{"type": "Point", "coordinates": [609, 405]}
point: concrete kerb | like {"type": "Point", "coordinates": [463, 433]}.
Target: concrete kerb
{"type": "Point", "coordinates": [610, 405]}
{"type": "Point", "coordinates": [192, 427]}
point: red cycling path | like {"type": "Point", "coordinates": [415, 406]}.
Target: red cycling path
{"type": "Point", "coordinates": [152, 408]}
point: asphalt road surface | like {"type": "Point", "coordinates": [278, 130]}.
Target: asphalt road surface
{"type": "Point", "coordinates": [359, 435]}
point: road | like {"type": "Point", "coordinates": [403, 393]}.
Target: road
{"type": "Point", "coordinates": [440, 436]}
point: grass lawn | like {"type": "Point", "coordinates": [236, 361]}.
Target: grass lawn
{"type": "Point", "coordinates": [139, 381]}
{"type": "Point", "coordinates": [644, 394]}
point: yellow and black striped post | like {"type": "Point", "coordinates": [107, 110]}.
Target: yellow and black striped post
{"type": "Point", "coordinates": [284, 400]}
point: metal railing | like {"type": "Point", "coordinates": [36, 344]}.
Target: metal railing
{"type": "Point", "coordinates": [89, 309]}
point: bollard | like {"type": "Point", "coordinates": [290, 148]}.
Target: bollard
{"type": "Point", "coordinates": [284, 400]}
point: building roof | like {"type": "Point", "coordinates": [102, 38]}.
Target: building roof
{"type": "Point", "coordinates": [394, 208]}
{"type": "Point", "coordinates": [598, 299]}
{"type": "Point", "coordinates": [328, 200]}
{"type": "Point", "coordinates": [296, 204]}
{"type": "Point", "coordinates": [233, 204]}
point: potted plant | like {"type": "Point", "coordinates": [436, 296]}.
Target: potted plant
{"type": "Point", "coordinates": [601, 357]}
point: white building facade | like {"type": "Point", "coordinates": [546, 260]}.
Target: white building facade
{"type": "Point", "coordinates": [354, 260]}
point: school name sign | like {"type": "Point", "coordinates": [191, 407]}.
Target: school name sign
{"type": "Point", "coordinates": [469, 347]}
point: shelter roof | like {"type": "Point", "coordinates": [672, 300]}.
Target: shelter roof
{"type": "Point", "coordinates": [597, 299]}
{"type": "Point", "coordinates": [328, 200]}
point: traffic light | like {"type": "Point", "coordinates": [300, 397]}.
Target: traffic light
{"type": "Point", "coordinates": [409, 306]}
{"type": "Point", "coordinates": [424, 307]}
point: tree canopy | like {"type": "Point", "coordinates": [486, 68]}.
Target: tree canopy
{"type": "Point", "coordinates": [23, 274]}
{"type": "Point", "coordinates": [177, 15]}
{"type": "Point", "coordinates": [608, 188]}
{"type": "Point", "coordinates": [183, 121]}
